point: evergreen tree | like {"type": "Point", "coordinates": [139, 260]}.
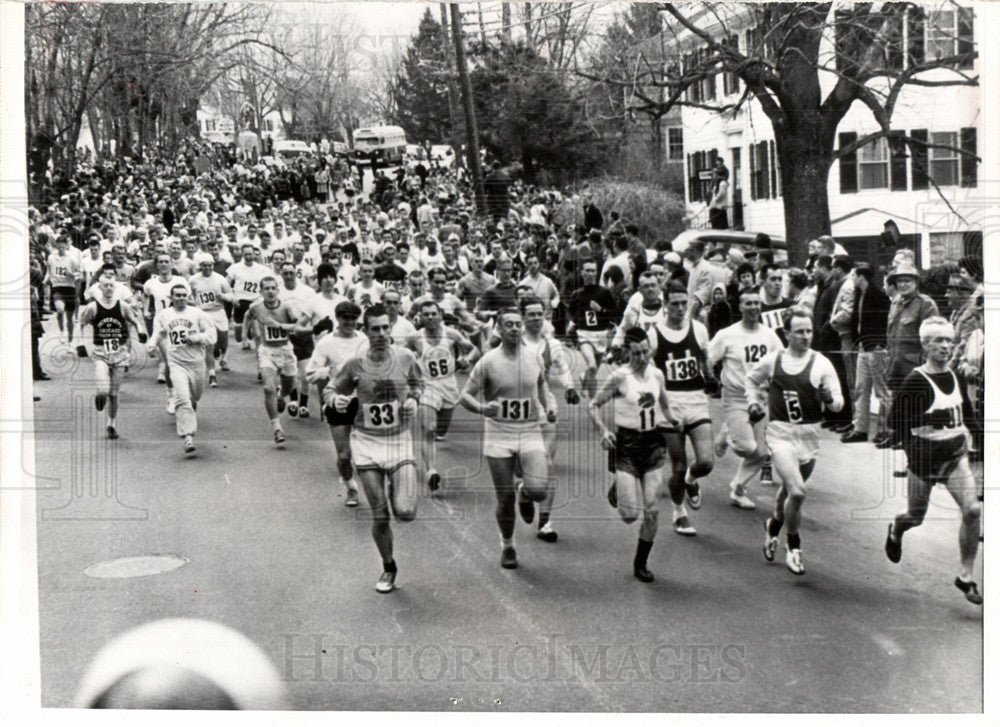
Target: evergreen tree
{"type": "Point", "coordinates": [421, 86]}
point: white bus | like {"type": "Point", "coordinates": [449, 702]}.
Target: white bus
{"type": "Point", "coordinates": [388, 143]}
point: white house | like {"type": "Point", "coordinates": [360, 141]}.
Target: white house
{"type": "Point", "coordinates": [880, 181]}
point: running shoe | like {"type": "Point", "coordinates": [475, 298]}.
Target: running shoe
{"type": "Point", "coordinates": [245, 346]}
{"type": "Point", "coordinates": [613, 496]}
{"type": "Point", "coordinates": [770, 544]}
{"type": "Point", "coordinates": [387, 583]}
{"type": "Point", "coordinates": [767, 473]}
{"type": "Point", "coordinates": [293, 408]}
{"type": "Point", "coordinates": [352, 498]}
{"type": "Point", "coordinates": [213, 381]}
{"type": "Point", "coordinates": [642, 573]}
{"type": "Point", "coordinates": [112, 434]}
{"type": "Point", "coordinates": [683, 526]}
{"type": "Point", "coordinates": [171, 406]}
{"type": "Point", "coordinates": [223, 365]}
{"type": "Point", "coordinates": [281, 404]}
{"type": "Point", "coordinates": [279, 436]}
{"type": "Point", "coordinates": [161, 379]}
{"type": "Point", "coordinates": [260, 378]}
{"type": "Point", "coordinates": [433, 481]}
{"type": "Point", "coordinates": [438, 437]}
{"type": "Point", "coordinates": [693, 493]}
{"type": "Point", "coordinates": [303, 412]}
{"type": "Point", "coordinates": [99, 401]}
{"type": "Point", "coordinates": [971, 591]}
{"type": "Point", "coordinates": [508, 558]}
{"type": "Point", "coordinates": [738, 498]}
{"type": "Point", "coordinates": [525, 506]}
{"type": "Point", "coordinates": [893, 546]}
{"type": "Point", "coordinates": [188, 445]}
{"type": "Point", "coordinates": [793, 559]}
{"type": "Point", "coordinates": [547, 533]}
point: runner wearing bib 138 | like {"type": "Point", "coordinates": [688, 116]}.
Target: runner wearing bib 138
{"type": "Point", "coordinates": [507, 387]}
{"type": "Point", "coordinates": [636, 450]}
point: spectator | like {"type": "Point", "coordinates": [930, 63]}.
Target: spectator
{"type": "Point", "coordinates": [843, 311]}
{"type": "Point", "coordinates": [675, 268]}
{"type": "Point", "coordinates": [717, 216]}
{"type": "Point", "coordinates": [701, 279]}
{"type": "Point", "coordinates": [908, 310]}
{"type": "Point", "coordinates": [870, 316]}
{"type": "Point", "coordinates": [800, 291]}
{"type": "Point", "coordinates": [592, 217]}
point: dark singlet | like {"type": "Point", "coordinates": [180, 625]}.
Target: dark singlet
{"type": "Point", "coordinates": [679, 362]}
{"type": "Point", "coordinates": [110, 327]}
{"type": "Point", "coordinates": [792, 397]}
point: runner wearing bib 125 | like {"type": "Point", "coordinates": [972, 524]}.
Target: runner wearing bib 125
{"type": "Point", "coordinates": [272, 321]}
{"type": "Point", "coordinates": [636, 452]}
{"type": "Point", "coordinates": [388, 385]}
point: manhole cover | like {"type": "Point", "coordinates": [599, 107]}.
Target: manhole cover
{"type": "Point", "coordinates": [136, 566]}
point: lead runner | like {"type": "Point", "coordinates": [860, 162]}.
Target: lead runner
{"type": "Point", "coordinates": [388, 385]}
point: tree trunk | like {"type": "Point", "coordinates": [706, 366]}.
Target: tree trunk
{"type": "Point", "coordinates": [804, 162]}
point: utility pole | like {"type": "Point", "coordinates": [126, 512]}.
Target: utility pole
{"type": "Point", "coordinates": [471, 134]}
{"type": "Point", "coordinates": [505, 20]}
{"type": "Point", "coordinates": [452, 91]}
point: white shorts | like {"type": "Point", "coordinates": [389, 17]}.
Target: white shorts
{"type": "Point", "coordinates": [799, 440]}
{"type": "Point", "coordinates": [218, 319]}
{"type": "Point", "coordinates": [388, 454]}
{"type": "Point", "coordinates": [690, 408]}
{"type": "Point", "coordinates": [277, 358]}
{"type": "Point", "coordinates": [440, 396]}
{"type": "Point", "coordinates": [596, 339]}
{"type": "Point", "coordinates": [501, 442]}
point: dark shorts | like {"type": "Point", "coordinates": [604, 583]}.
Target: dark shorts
{"type": "Point", "coordinates": [337, 419]}
{"type": "Point", "coordinates": [637, 452]}
{"type": "Point", "coordinates": [67, 295]}
{"type": "Point", "coordinates": [933, 461]}
{"type": "Point", "coordinates": [302, 345]}
{"type": "Point", "coordinates": [240, 310]}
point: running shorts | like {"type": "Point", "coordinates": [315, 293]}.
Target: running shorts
{"type": "Point", "coordinates": [277, 358]}
{"type": "Point", "coordinates": [386, 454]}
{"type": "Point", "coordinates": [934, 460]}
{"type": "Point", "coordinates": [502, 442]}
{"type": "Point", "coordinates": [799, 440]}
{"type": "Point", "coordinates": [637, 453]}
{"type": "Point", "coordinates": [690, 408]}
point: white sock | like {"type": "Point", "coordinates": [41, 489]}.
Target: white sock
{"type": "Point", "coordinates": [679, 511]}
{"type": "Point", "coordinates": [275, 425]}
{"type": "Point", "coordinates": [688, 478]}
{"type": "Point", "coordinates": [507, 542]}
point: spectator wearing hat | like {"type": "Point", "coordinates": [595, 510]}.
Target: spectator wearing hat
{"type": "Point", "coordinates": [675, 268]}
{"type": "Point", "coordinates": [800, 291]}
{"type": "Point", "coordinates": [869, 320]}
{"type": "Point", "coordinates": [909, 309]}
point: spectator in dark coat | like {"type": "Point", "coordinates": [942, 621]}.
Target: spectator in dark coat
{"type": "Point", "coordinates": [497, 188]}
{"type": "Point", "coordinates": [592, 217]}
{"type": "Point", "coordinates": [868, 321]}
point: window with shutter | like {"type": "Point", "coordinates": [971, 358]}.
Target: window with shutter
{"type": "Point", "coordinates": [944, 162]}
{"type": "Point", "coordinates": [918, 160]}
{"type": "Point", "coordinates": [969, 164]}
{"type": "Point", "coordinates": [848, 164]}
{"type": "Point", "coordinates": [873, 165]}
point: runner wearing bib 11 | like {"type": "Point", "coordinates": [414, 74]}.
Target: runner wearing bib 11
{"type": "Point", "coordinates": [507, 387]}
{"type": "Point", "coordinates": [636, 448]}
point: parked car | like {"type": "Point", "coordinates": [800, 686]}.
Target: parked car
{"type": "Point", "coordinates": [291, 148]}
{"type": "Point", "coordinates": [741, 238]}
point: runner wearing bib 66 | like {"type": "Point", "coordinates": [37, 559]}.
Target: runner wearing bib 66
{"type": "Point", "coordinates": [272, 321]}
{"type": "Point", "coordinates": [679, 353]}
{"type": "Point", "coordinates": [636, 446]}
{"type": "Point", "coordinates": [791, 388]}
{"type": "Point", "coordinates": [110, 318]}
{"type": "Point", "coordinates": [387, 382]}
{"type": "Point", "coordinates": [507, 387]}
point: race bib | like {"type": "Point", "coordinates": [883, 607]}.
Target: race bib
{"type": "Point", "coordinates": [647, 419]}
{"type": "Point", "coordinates": [381, 416]}
{"type": "Point", "coordinates": [683, 369]}
{"type": "Point", "coordinates": [249, 286]}
{"type": "Point", "coordinates": [179, 337]}
{"type": "Point", "coordinates": [111, 345]}
{"type": "Point", "coordinates": [208, 297]}
{"type": "Point", "coordinates": [274, 334]}
{"type": "Point", "coordinates": [590, 318]}
{"type": "Point", "coordinates": [792, 406]}
{"type": "Point", "coordinates": [439, 368]}
{"type": "Point", "coordinates": [516, 410]}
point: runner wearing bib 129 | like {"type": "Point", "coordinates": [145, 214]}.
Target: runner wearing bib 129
{"type": "Point", "coordinates": [636, 451]}
{"type": "Point", "coordinates": [388, 385]}
{"type": "Point", "coordinates": [507, 387]}
{"type": "Point", "coordinates": [272, 321]}
{"type": "Point", "coordinates": [679, 353]}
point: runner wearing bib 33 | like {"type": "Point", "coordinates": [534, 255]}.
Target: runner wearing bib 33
{"type": "Point", "coordinates": [792, 387]}
{"type": "Point", "coordinates": [388, 385]}
{"type": "Point", "coordinates": [507, 387]}
{"type": "Point", "coordinates": [636, 446]}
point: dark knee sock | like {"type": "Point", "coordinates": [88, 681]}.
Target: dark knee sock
{"type": "Point", "coordinates": [389, 567]}
{"type": "Point", "coordinates": [794, 541]}
{"type": "Point", "coordinates": [642, 549]}
{"type": "Point", "coordinates": [543, 517]}
{"type": "Point", "coordinates": [774, 526]}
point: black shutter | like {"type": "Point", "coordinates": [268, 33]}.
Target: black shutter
{"type": "Point", "coordinates": [915, 23]}
{"type": "Point", "coordinates": [764, 178]}
{"type": "Point", "coordinates": [918, 160]}
{"type": "Point", "coordinates": [897, 162]}
{"type": "Point", "coordinates": [894, 45]}
{"type": "Point", "coordinates": [965, 43]}
{"type": "Point", "coordinates": [774, 172]}
{"type": "Point", "coordinates": [968, 163]}
{"type": "Point", "coordinates": [848, 164]}
{"type": "Point", "coordinates": [753, 171]}
{"type": "Point", "coordinates": [692, 188]}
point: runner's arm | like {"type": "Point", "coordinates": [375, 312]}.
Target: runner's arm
{"type": "Point", "coordinates": [757, 380]}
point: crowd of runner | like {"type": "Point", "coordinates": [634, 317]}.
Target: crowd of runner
{"type": "Point", "coordinates": [381, 313]}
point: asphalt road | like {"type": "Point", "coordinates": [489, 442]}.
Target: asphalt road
{"type": "Point", "coordinates": [273, 552]}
